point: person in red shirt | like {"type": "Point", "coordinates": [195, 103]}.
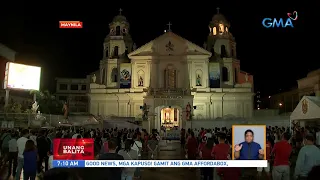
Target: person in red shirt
{"type": "Point", "coordinates": [192, 147]}
{"type": "Point", "coordinates": [202, 144]}
{"type": "Point", "coordinates": [221, 151]}
{"type": "Point", "coordinates": [205, 154]}
{"type": "Point", "coordinates": [268, 155]}
{"type": "Point", "coordinates": [282, 152]}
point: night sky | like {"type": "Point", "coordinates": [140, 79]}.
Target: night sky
{"type": "Point", "coordinates": [276, 57]}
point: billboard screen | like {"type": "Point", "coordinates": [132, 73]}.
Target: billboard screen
{"type": "Point", "coordinates": [20, 76]}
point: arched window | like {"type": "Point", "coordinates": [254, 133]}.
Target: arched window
{"type": "Point", "coordinates": [212, 51]}
{"type": "Point", "coordinates": [114, 75]}
{"type": "Point", "coordinates": [221, 28]}
{"type": "Point", "coordinates": [225, 74]}
{"type": "Point", "coordinates": [116, 51]}
{"type": "Point", "coordinates": [103, 80]}
{"type": "Point", "coordinates": [118, 31]}
{"type": "Point", "coordinates": [235, 75]}
{"type": "Point", "coordinates": [107, 52]}
{"type": "Point", "coordinates": [214, 31]}
{"type": "Point", "coordinates": [223, 51]}
{"type": "Point", "coordinates": [127, 51]}
{"type": "Point", "coordinates": [170, 77]}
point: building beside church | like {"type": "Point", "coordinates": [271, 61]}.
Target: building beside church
{"type": "Point", "coordinates": [170, 80]}
{"type": "Point", "coordinates": [287, 101]}
{"type": "Point", "coordinates": [73, 91]}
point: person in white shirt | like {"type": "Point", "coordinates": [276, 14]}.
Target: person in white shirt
{"type": "Point", "coordinates": [21, 143]}
{"type": "Point", "coordinates": [76, 134]}
{"type": "Point", "coordinates": [13, 155]}
{"type": "Point", "coordinates": [33, 137]}
{"type": "Point", "coordinates": [50, 161]}
{"type": "Point", "coordinates": [208, 134]}
{"type": "Point", "coordinates": [137, 146]}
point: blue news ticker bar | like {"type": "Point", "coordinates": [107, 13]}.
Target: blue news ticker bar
{"type": "Point", "coordinates": [69, 163]}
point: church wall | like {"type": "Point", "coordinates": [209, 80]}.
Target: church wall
{"type": "Point", "coordinates": [124, 105]}
{"type": "Point", "coordinates": [215, 105]}
{"type": "Point", "coordinates": [154, 78]}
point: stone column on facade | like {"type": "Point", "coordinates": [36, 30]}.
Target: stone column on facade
{"type": "Point", "coordinates": [148, 74]}
{"type": "Point", "coordinates": [134, 75]}
{"type": "Point", "coordinates": [206, 71]}
{"type": "Point", "coordinates": [190, 74]}
{"type": "Point", "coordinates": [208, 115]}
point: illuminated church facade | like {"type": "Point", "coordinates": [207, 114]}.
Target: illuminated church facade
{"type": "Point", "coordinates": [171, 76]}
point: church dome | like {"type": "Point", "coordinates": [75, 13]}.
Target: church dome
{"type": "Point", "coordinates": [220, 18]}
{"type": "Point", "coordinates": [119, 18]}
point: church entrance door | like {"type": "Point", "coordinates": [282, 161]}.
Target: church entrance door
{"type": "Point", "coordinates": [170, 117]}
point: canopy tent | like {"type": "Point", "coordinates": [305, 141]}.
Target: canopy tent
{"type": "Point", "coordinates": [91, 121]}
{"type": "Point", "coordinates": [308, 109]}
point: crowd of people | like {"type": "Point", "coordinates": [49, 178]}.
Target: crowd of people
{"type": "Point", "coordinates": [29, 149]}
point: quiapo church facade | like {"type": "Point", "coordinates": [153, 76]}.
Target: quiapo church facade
{"type": "Point", "coordinates": [171, 81]}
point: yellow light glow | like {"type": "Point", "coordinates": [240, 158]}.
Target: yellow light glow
{"type": "Point", "coordinates": [20, 76]}
{"type": "Point", "coordinates": [214, 31]}
{"type": "Point", "coordinates": [221, 28]}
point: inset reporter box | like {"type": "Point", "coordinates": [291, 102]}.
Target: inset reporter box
{"type": "Point", "coordinates": [249, 142]}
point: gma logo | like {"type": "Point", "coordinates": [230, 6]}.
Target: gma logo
{"type": "Point", "coordinates": [272, 23]}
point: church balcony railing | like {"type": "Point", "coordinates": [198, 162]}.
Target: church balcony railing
{"type": "Point", "coordinates": [115, 57]}
{"type": "Point", "coordinates": [168, 92]}
{"type": "Point", "coordinates": [116, 37]}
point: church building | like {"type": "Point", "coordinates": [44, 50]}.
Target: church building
{"type": "Point", "coordinates": [171, 81]}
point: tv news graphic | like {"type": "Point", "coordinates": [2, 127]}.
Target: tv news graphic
{"type": "Point", "coordinates": [73, 149]}
{"type": "Point", "coordinates": [70, 24]}
{"type": "Point", "coordinates": [157, 163]}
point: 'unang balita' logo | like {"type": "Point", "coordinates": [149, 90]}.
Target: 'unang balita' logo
{"type": "Point", "coordinates": [304, 106]}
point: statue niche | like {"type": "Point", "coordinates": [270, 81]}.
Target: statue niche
{"type": "Point", "coordinates": [198, 77]}
{"type": "Point", "coordinates": [140, 78]}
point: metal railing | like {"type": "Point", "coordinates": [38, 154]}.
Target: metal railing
{"type": "Point", "coordinates": [26, 119]}
{"type": "Point", "coordinates": [168, 92]}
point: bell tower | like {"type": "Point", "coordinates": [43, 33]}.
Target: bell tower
{"type": "Point", "coordinates": [222, 45]}
{"type": "Point", "coordinates": [116, 47]}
